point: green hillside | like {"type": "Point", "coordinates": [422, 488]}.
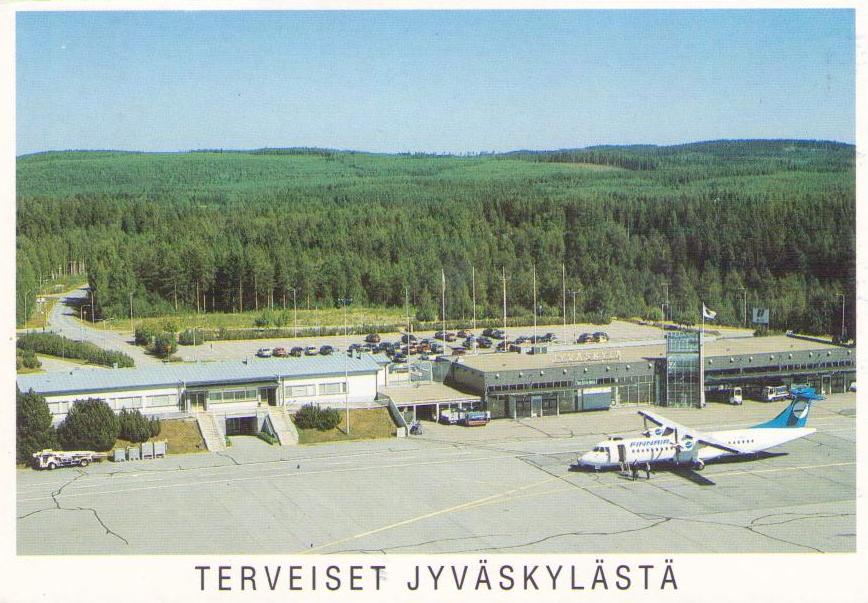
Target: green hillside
{"type": "Point", "coordinates": [234, 228]}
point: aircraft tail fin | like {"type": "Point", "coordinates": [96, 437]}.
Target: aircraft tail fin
{"type": "Point", "coordinates": [796, 414]}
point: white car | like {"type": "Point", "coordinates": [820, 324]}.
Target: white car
{"type": "Point", "coordinates": [264, 352]}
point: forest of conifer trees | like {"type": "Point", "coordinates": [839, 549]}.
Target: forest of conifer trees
{"type": "Point", "coordinates": [214, 231]}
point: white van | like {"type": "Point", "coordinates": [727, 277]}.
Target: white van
{"type": "Point", "coordinates": [735, 397]}
{"type": "Point", "coordinates": [775, 393]}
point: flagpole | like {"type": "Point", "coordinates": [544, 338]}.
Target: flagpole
{"type": "Point", "coordinates": [702, 360]}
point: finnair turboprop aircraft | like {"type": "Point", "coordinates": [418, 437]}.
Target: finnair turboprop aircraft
{"type": "Point", "coordinates": [675, 444]}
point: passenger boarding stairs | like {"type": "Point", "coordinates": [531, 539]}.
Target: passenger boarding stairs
{"type": "Point", "coordinates": [283, 426]}
{"type": "Point", "coordinates": [215, 439]}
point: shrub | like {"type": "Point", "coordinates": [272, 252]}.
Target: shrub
{"type": "Point", "coordinates": [311, 416]}
{"type": "Point", "coordinates": [26, 359]}
{"type": "Point", "coordinates": [165, 344]}
{"type": "Point", "coordinates": [135, 427]}
{"type": "Point", "coordinates": [90, 425]}
{"type": "Point", "coordinates": [33, 425]}
{"type": "Point", "coordinates": [145, 334]}
{"type": "Point", "coordinates": [191, 337]}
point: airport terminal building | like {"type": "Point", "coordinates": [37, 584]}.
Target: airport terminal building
{"type": "Point", "coordinates": [668, 372]}
{"type": "Point", "coordinates": [235, 390]}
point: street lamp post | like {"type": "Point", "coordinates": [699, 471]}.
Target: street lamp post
{"type": "Point", "coordinates": [744, 306]}
{"type": "Point", "coordinates": [843, 298]}
{"type": "Point", "coordinates": [294, 314]}
{"type": "Point", "coordinates": [573, 292]}
{"type": "Point", "coordinates": [346, 301]}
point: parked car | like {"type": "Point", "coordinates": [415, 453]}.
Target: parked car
{"type": "Point", "coordinates": [296, 351]}
{"type": "Point", "coordinates": [483, 342]}
{"type": "Point", "coordinates": [280, 352]}
{"type": "Point", "coordinates": [372, 338]}
{"type": "Point", "coordinates": [436, 348]}
{"type": "Point", "coordinates": [469, 343]}
{"type": "Point", "coordinates": [585, 338]}
{"type": "Point", "coordinates": [465, 333]}
{"type": "Point", "coordinates": [458, 351]}
{"type": "Point", "coordinates": [326, 350]}
{"type": "Point", "coordinates": [264, 352]}
{"type": "Point", "coordinates": [451, 336]}
{"type": "Point", "coordinates": [439, 335]}
{"type": "Point", "coordinates": [311, 350]}
{"type": "Point", "coordinates": [399, 357]}
{"type": "Point", "coordinates": [549, 338]}
{"type": "Point", "coordinates": [494, 333]}
{"type": "Point", "coordinates": [601, 337]}
{"type": "Point", "coordinates": [408, 338]}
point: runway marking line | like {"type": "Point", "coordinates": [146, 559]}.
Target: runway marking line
{"type": "Point", "coordinates": [470, 504]}
{"type": "Point", "coordinates": [494, 498]}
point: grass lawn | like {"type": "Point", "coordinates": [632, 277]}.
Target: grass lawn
{"type": "Point", "coordinates": [39, 319]}
{"type": "Point", "coordinates": [307, 319]}
{"type": "Point", "coordinates": [365, 424]}
{"type": "Point", "coordinates": [27, 371]}
{"type": "Point", "coordinates": [182, 436]}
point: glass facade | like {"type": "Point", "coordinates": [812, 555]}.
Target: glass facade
{"type": "Point", "coordinates": [683, 375]}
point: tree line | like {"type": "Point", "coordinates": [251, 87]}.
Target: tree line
{"type": "Point", "coordinates": [713, 223]}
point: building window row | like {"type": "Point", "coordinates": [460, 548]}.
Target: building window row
{"type": "Point", "coordinates": [233, 395]}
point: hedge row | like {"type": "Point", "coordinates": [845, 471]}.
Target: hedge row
{"type": "Point", "coordinates": [58, 345]}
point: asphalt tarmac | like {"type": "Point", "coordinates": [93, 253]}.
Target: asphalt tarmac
{"type": "Point", "coordinates": [506, 487]}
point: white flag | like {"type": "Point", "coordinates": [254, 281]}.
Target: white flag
{"type": "Point", "coordinates": [708, 314]}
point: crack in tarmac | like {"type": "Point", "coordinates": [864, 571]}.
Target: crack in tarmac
{"type": "Point", "coordinates": [58, 507]}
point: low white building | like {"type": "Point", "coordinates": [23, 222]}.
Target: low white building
{"type": "Point", "coordinates": [237, 390]}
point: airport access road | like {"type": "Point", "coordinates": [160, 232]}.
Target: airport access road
{"type": "Point", "coordinates": [501, 488]}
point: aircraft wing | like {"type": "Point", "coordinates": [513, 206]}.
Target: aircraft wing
{"type": "Point", "coordinates": [705, 440]}
{"type": "Point", "coordinates": [666, 423]}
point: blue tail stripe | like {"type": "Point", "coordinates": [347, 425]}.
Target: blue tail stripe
{"type": "Point", "coordinates": [796, 414]}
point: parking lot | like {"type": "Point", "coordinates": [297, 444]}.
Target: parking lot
{"type": "Point", "coordinates": [505, 487]}
{"type": "Point", "coordinates": [618, 331]}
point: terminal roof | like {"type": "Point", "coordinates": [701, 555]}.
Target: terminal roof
{"type": "Point", "coordinates": [196, 374]}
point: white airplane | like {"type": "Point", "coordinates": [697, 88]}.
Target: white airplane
{"type": "Point", "coordinates": [675, 444]}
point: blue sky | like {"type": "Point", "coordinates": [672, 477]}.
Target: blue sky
{"type": "Point", "coordinates": [430, 81]}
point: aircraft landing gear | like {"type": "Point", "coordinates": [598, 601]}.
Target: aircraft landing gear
{"type": "Point", "coordinates": [698, 465]}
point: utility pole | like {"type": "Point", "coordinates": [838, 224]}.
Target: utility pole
{"type": "Point", "coordinates": [346, 301]}
{"type": "Point", "coordinates": [843, 298]}
{"type": "Point", "coordinates": [668, 309]}
{"type": "Point", "coordinates": [443, 308]}
{"type": "Point", "coordinates": [407, 307]}
{"type": "Point", "coordinates": [132, 326]}
{"type": "Point", "coordinates": [294, 314]}
{"type": "Point", "coordinates": [534, 304]}
{"type": "Point", "coordinates": [575, 336]}
{"type": "Point", "coordinates": [473, 288]}
{"type": "Point", "coordinates": [744, 306]}
{"type": "Point", "coordinates": [503, 268]}
{"type": "Point", "coordinates": [564, 282]}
